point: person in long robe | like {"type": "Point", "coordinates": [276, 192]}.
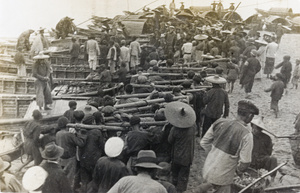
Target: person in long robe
{"type": "Point", "coordinates": [41, 71]}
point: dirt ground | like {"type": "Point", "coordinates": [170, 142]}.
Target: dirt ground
{"type": "Point", "coordinates": [289, 107]}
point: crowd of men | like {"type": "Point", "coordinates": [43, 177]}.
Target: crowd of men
{"type": "Point", "coordinates": [157, 158]}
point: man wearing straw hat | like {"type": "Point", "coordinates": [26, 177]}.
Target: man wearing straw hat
{"type": "Point", "coordinates": [215, 99]}
{"type": "Point", "coordinates": [182, 137]}
{"type": "Point", "coordinates": [143, 182]}
{"type": "Point", "coordinates": [229, 146]}
{"type": "Point", "coordinates": [41, 71]}
{"type": "Point", "coordinates": [262, 148]}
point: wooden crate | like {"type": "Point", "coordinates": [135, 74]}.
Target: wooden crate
{"type": "Point", "coordinates": [14, 106]}
{"type": "Point", "coordinates": [16, 85]}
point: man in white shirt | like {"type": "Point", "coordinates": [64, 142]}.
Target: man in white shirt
{"type": "Point", "coordinates": [125, 54]}
{"type": "Point", "coordinates": [187, 51]}
{"type": "Point", "coordinates": [135, 51]}
{"type": "Point", "coordinates": [93, 51]}
{"type": "Point", "coordinates": [271, 50]}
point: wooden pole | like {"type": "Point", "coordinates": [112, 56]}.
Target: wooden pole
{"type": "Point", "coordinates": [231, 15]}
{"type": "Point", "coordinates": [146, 102]}
{"type": "Point", "coordinates": [171, 81]}
{"type": "Point", "coordinates": [100, 127]}
{"type": "Point", "coordinates": [137, 109]}
{"type": "Point", "coordinates": [126, 124]}
{"type": "Point", "coordinates": [144, 95]}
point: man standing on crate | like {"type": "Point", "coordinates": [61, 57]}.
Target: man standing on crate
{"type": "Point", "coordinates": [41, 71]}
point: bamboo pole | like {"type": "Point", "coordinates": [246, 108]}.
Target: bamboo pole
{"type": "Point", "coordinates": [154, 86]}
{"type": "Point", "coordinates": [146, 102]}
{"type": "Point", "coordinates": [111, 118]}
{"type": "Point", "coordinates": [137, 109]}
{"type": "Point", "coordinates": [144, 95]}
{"type": "Point", "coordinates": [171, 81]}
{"type": "Point", "coordinates": [101, 127]}
{"type": "Point", "coordinates": [126, 124]}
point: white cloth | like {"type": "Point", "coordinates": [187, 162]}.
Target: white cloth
{"type": "Point", "coordinates": [271, 50]}
{"type": "Point", "coordinates": [93, 51]}
{"type": "Point", "coordinates": [187, 48]}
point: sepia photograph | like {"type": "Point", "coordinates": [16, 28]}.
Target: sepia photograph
{"type": "Point", "coordinates": [150, 96]}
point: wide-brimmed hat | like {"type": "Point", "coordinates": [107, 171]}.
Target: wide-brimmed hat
{"type": "Point", "coordinates": [34, 178]}
{"type": "Point", "coordinates": [200, 37]}
{"type": "Point", "coordinates": [40, 56]}
{"type": "Point", "coordinates": [87, 109]}
{"type": "Point", "coordinates": [52, 151]}
{"type": "Point", "coordinates": [258, 121]}
{"type": "Point", "coordinates": [119, 30]}
{"type": "Point", "coordinates": [180, 114]}
{"type": "Point", "coordinates": [216, 79]}
{"type": "Point", "coordinates": [247, 106]}
{"type": "Point", "coordinates": [147, 159]}
{"type": "Point", "coordinates": [261, 42]}
{"type": "Point", "coordinates": [113, 146]}
{"type": "Point", "coordinates": [3, 165]}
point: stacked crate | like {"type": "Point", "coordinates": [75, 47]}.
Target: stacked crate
{"type": "Point", "coordinates": [16, 95]}
{"type": "Point", "coordinates": [62, 68]}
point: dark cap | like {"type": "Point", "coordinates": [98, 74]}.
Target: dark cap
{"type": "Point", "coordinates": [279, 76]}
{"type": "Point", "coordinates": [36, 114]}
{"type": "Point", "coordinates": [135, 120]}
{"type": "Point", "coordinates": [247, 106]}
{"type": "Point", "coordinates": [186, 84]}
{"type": "Point", "coordinates": [78, 115]}
{"type": "Point", "coordinates": [72, 103]}
{"type": "Point", "coordinates": [62, 122]}
{"type": "Point", "coordinates": [88, 119]}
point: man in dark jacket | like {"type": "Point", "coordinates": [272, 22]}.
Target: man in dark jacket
{"type": "Point", "coordinates": [182, 137]}
{"type": "Point", "coordinates": [276, 89]}
{"type": "Point", "coordinates": [215, 99]}
{"type": "Point", "coordinates": [286, 69]}
{"type": "Point", "coordinates": [251, 67]}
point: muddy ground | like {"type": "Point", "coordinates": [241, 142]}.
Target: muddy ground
{"type": "Point", "coordinates": [289, 107]}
